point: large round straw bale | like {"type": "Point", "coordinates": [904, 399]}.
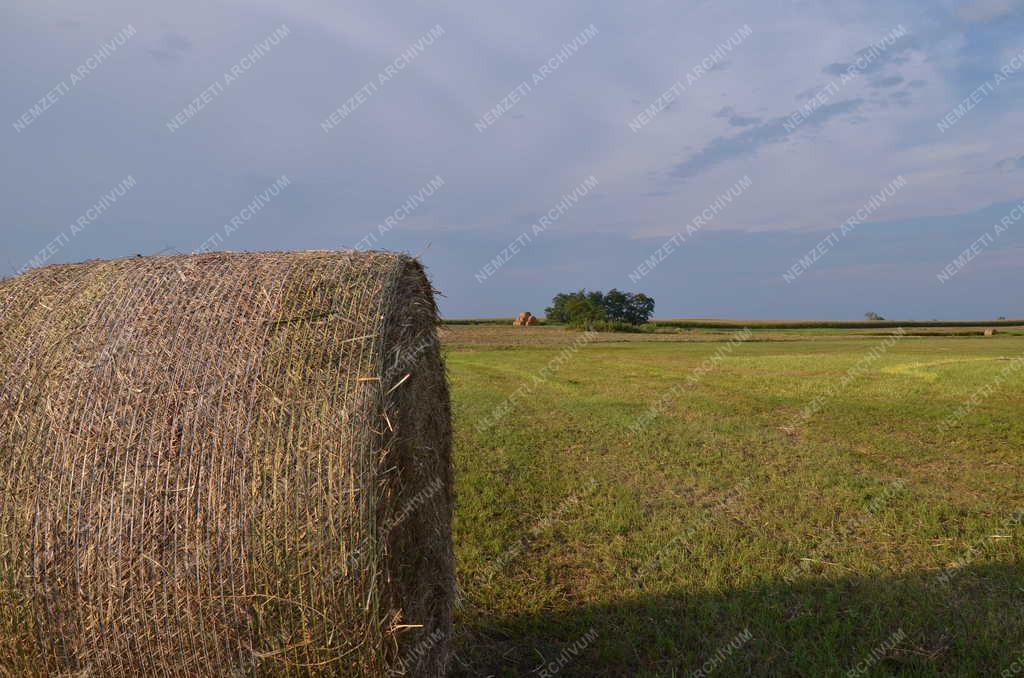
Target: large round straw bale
{"type": "Point", "coordinates": [224, 465]}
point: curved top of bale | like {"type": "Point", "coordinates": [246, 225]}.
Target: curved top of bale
{"type": "Point", "coordinates": [224, 462]}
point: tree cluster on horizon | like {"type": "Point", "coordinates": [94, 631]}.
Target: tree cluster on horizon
{"type": "Point", "coordinates": [587, 307]}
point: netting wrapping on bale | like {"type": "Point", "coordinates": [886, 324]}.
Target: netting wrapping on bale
{"type": "Point", "coordinates": [224, 464]}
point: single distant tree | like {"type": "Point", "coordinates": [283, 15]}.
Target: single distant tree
{"type": "Point", "coordinates": [616, 305]}
{"type": "Point", "coordinates": [871, 315]}
{"type": "Point", "coordinates": [640, 308]}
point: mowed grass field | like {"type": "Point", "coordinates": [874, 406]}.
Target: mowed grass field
{"type": "Point", "coordinates": [796, 507]}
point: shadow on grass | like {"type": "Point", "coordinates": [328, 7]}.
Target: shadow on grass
{"type": "Point", "coordinates": [972, 625]}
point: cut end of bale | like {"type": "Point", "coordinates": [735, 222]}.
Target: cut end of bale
{"type": "Point", "coordinates": [225, 464]}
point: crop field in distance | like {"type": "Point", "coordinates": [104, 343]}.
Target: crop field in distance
{"type": "Point", "coordinates": [695, 501]}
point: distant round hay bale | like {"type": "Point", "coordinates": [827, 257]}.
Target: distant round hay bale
{"type": "Point", "coordinates": [523, 319]}
{"type": "Point", "coordinates": [224, 464]}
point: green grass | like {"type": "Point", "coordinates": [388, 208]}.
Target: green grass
{"type": "Point", "coordinates": [823, 537]}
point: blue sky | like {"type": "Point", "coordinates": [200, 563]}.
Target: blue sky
{"type": "Point", "coordinates": [730, 117]}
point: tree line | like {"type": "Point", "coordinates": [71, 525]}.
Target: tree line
{"type": "Point", "coordinates": [592, 308]}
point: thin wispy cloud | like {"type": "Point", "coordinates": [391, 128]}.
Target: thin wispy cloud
{"type": "Point", "coordinates": [980, 11]}
{"type": "Point", "coordinates": [170, 47]}
{"type": "Point", "coordinates": [735, 119]}
{"type": "Point", "coordinates": [898, 53]}
{"type": "Point", "coordinates": [723, 149]}
{"type": "Point", "coordinates": [1011, 164]}
{"type": "Point", "coordinates": [889, 81]}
